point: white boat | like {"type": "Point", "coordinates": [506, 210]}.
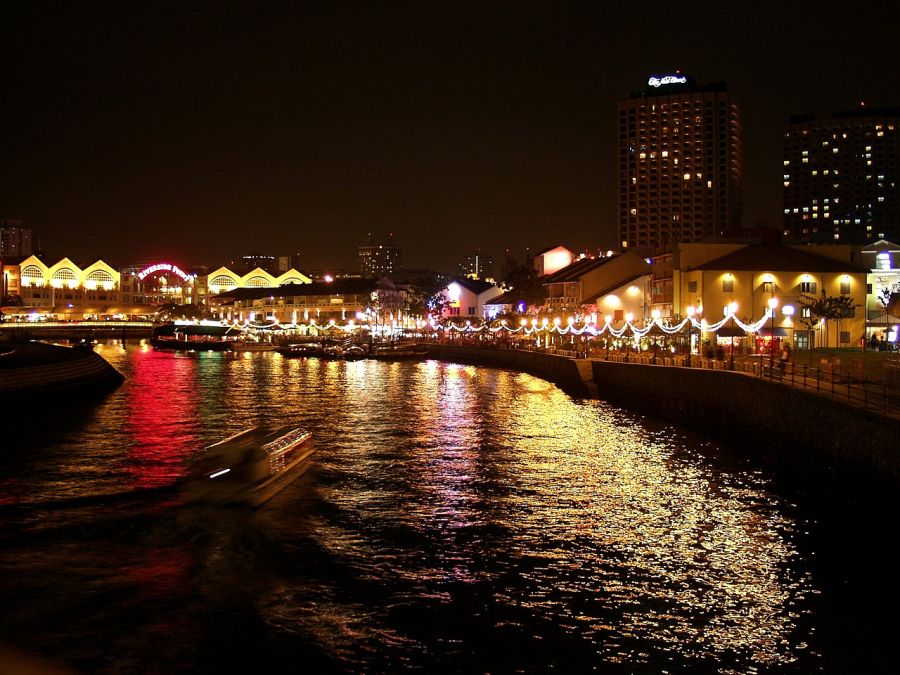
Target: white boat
{"type": "Point", "coordinates": [252, 466]}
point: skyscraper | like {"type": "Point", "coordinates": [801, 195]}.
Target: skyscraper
{"type": "Point", "coordinates": [15, 240]}
{"type": "Point", "coordinates": [841, 177]}
{"type": "Point", "coordinates": [679, 161]}
{"type": "Point", "coordinates": [378, 259]}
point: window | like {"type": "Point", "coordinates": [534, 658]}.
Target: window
{"type": "Point", "coordinates": [692, 287]}
{"type": "Point", "coordinates": [845, 337]}
{"type": "Point", "coordinates": [805, 312]}
{"type": "Point", "coordinates": [807, 286]}
{"type": "Point", "coordinates": [619, 315]}
{"type": "Point", "coordinates": [845, 287]}
{"type": "Point", "coordinates": [471, 311]}
{"type": "Point", "coordinates": [728, 286]}
{"type": "Point", "coordinates": [767, 287]}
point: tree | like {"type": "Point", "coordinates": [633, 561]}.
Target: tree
{"type": "Point", "coordinates": [829, 308]}
{"type": "Point", "coordinates": [527, 286]}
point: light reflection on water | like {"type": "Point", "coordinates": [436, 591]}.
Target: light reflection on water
{"type": "Point", "coordinates": [475, 518]}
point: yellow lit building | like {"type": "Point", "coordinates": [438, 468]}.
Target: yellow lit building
{"type": "Point", "coordinates": [710, 277]}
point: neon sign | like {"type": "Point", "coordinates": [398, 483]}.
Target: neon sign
{"type": "Point", "coordinates": [163, 267]}
{"type": "Point", "coordinates": [666, 79]}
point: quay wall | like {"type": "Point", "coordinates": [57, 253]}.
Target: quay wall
{"type": "Point", "coordinates": [560, 370]}
{"type": "Point", "coordinates": [794, 429]}
{"type": "Point", "coordinates": [41, 371]}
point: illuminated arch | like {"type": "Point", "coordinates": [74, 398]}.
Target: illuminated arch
{"type": "Point", "coordinates": [65, 273]}
{"type": "Point", "coordinates": [258, 282]}
{"type": "Point", "coordinates": [258, 278]}
{"type": "Point", "coordinates": [222, 280]}
{"type": "Point", "coordinates": [292, 276]}
{"type": "Point", "coordinates": [32, 275]}
{"type": "Point", "coordinates": [100, 275]}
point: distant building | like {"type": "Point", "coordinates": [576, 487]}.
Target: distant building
{"type": "Point", "coordinates": [379, 258]}
{"type": "Point", "coordinates": [679, 163]}
{"type": "Point", "coordinates": [552, 259]}
{"type": "Point", "coordinates": [477, 266]}
{"type": "Point", "coordinates": [882, 259]}
{"type": "Point", "coordinates": [15, 240]}
{"type": "Point", "coordinates": [842, 177]}
{"type": "Point", "coordinates": [467, 298]}
{"type": "Point", "coordinates": [363, 301]}
{"type": "Point", "coordinates": [593, 284]}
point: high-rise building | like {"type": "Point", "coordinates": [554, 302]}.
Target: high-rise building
{"type": "Point", "coordinates": [477, 266]}
{"type": "Point", "coordinates": [841, 177]}
{"type": "Point", "coordinates": [680, 163]}
{"type": "Point", "coordinates": [15, 240]}
{"type": "Point", "coordinates": [378, 259]}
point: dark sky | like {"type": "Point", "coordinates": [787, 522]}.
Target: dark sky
{"type": "Point", "coordinates": [203, 131]}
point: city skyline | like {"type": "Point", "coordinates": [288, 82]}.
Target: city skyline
{"type": "Point", "coordinates": [205, 132]}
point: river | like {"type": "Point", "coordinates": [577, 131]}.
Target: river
{"type": "Point", "coordinates": [456, 519]}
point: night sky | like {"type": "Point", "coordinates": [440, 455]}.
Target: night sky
{"type": "Point", "coordinates": [200, 132]}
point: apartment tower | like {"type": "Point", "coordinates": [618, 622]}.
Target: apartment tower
{"type": "Point", "coordinates": [841, 177]}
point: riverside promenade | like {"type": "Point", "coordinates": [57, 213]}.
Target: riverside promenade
{"type": "Point", "coordinates": [799, 423]}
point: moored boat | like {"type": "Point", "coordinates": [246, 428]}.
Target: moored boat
{"type": "Point", "coordinates": [196, 337]}
{"type": "Point", "coordinates": [300, 350]}
{"type": "Point", "coordinates": [252, 466]}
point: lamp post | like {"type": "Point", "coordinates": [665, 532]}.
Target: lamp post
{"type": "Point", "coordinates": [691, 310]}
{"type": "Point", "coordinates": [788, 311]}
{"type": "Point", "coordinates": [773, 303]}
{"type": "Point", "coordinates": [732, 309]}
{"type": "Point", "coordinates": [628, 319]}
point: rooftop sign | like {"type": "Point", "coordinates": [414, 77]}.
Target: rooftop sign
{"type": "Point", "coordinates": [667, 79]}
{"type": "Point", "coordinates": [163, 267]}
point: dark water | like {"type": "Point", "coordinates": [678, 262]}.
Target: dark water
{"type": "Point", "coordinates": [457, 519]}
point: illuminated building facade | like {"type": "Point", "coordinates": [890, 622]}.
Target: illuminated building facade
{"type": "Point", "coordinates": [552, 259]}
{"type": "Point", "coordinates": [65, 290]}
{"type": "Point", "coordinates": [841, 177]}
{"type": "Point", "coordinates": [679, 163]}
{"type": "Point", "coordinates": [379, 259]}
{"type": "Point", "coordinates": [594, 281]}
{"type": "Point", "coordinates": [467, 298]}
{"type": "Point", "coordinates": [366, 301]}
{"type": "Point", "coordinates": [708, 277]}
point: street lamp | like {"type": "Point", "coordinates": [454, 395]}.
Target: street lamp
{"type": "Point", "coordinates": [732, 309]}
{"type": "Point", "coordinates": [628, 319]}
{"type": "Point", "coordinates": [691, 310]}
{"type": "Point", "coordinates": [788, 311]}
{"type": "Point", "coordinates": [773, 303]}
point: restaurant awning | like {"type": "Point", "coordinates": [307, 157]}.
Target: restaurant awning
{"type": "Point", "coordinates": [68, 311]}
{"type": "Point", "coordinates": [130, 309]}
{"type": "Point", "coordinates": [779, 332]}
{"type": "Point", "coordinates": [731, 332]}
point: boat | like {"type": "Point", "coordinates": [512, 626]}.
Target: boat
{"type": "Point", "coordinates": [400, 352]}
{"type": "Point", "coordinates": [300, 350]}
{"type": "Point", "coordinates": [196, 337]}
{"type": "Point", "coordinates": [252, 466]}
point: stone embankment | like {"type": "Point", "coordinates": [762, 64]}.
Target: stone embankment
{"type": "Point", "coordinates": [30, 371]}
{"type": "Point", "coordinates": [794, 429]}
